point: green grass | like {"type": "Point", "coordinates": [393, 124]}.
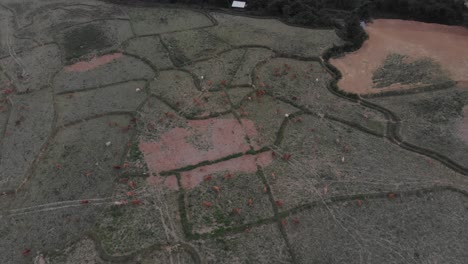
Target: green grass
{"type": "Point", "coordinates": [376, 126]}
{"type": "Point", "coordinates": [221, 218]}
{"type": "Point", "coordinates": [134, 152]}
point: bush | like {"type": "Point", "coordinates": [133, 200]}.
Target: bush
{"type": "Point", "coordinates": [353, 32]}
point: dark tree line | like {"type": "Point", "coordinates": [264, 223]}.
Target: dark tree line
{"type": "Point", "coordinates": [436, 11]}
{"type": "Point", "coordinates": [303, 12]}
{"type": "Point", "coordinates": [316, 12]}
{"type": "Point", "coordinates": [327, 12]}
{"type": "Point", "coordinates": [342, 14]}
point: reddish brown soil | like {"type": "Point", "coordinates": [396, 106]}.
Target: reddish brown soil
{"type": "Point", "coordinates": [446, 45]}
{"type": "Point", "coordinates": [463, 130]}
{"type": "Point", "coordinates": [462, 84]}
{"type": "Point", "coordinates": [175, 149]}
{"type": "Point", "coordinates": [245, 164]}
{"type": "Point", "coordinates": [95, 62]}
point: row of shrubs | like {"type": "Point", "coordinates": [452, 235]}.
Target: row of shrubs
{"type": "Point", "coordinates": [437, 11]}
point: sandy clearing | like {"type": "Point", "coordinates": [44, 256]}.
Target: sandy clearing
{"type": "Point", "coordinates": [447, 45]}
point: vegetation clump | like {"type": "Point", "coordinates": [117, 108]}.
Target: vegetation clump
{"type": "Point", "coordinates": [397, 70]}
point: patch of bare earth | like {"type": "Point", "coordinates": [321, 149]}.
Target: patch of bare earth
{"type": "Point", "coordinates": [446, 46]}
{"type": "Point", "coordinates": [202, 140]}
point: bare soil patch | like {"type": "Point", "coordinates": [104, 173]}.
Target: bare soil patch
{"type": "Point", "coordinates": [446, 46]}
{"type": "Point", "coordinates": [201, 140]}
{"type": "Point", "coordinates": [95, 62]}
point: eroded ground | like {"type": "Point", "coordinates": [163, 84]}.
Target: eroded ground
{"type": "Point", "coordinates": [401, 55]}
{"type": "Point", "coordinates": [168, 135]}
